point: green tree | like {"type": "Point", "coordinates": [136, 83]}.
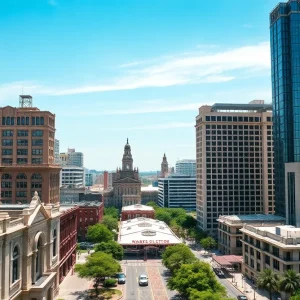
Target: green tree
{"type": "Point", "coordinates": [111, 247]}
{"type": "Point", "coordinates": [295, 297]}
{"type": "Point", "coordinates": [207, 295]}
{"type": "Point", "coordinates": [175, 256]}
{"type": "Point", "coordinates": [99, 233]}
{"type": "Point", "coordinates": [98, 266]}
{"type": "Point", "coordinates": [163, 215]}
{"type": "Point", "coordinates": [268, 280]}
{"type": "Point", "coordinates": [208, 243]}
{"type": "Point", "coordinates": [152, 204]}
{"type": "Point", "coordinates": [112, 211]}
{"type": "Point", "coordinates": [110, 222]}
{"type": "Point", "coordinates": [197, 276]}
{"type": "Point", "coordinates": [290, 282]}
{"type": "Point", "coordinates": [189, 222]}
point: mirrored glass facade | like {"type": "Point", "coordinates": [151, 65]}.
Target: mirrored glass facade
{"type": "Point", "coordinates": [285, 62]}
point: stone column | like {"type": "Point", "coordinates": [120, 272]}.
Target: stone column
{"type": "Point", "coordinates": [6, 269]}
{"type": "Point", "coordinates": [33, 266]}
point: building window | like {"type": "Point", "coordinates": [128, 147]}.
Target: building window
{"type": "Point", "coordinates": [7, 142]}
{"type": "Point", "coordinates": [37, 161]}
{"type": "Point", "coordinates": [37, 142]}
{"type": "Point", "coordinates": [22, 152]}
{"type": "Point", "coordinates": [7, 152]}
{"type": "Point", "coordinates": [276, 264]}
{"type": "Point", "coordinates": [37, 133]}
{"type": "Point", "coordinates": [7, 133]}
{"type": "Point", "coordinates": [22, 132]}
{"type": "Point", "coordinates": [15, 264]}
{"type": "Point", "coordinates": [54, 242]}
{"type": "Point", "coordinates": [22, 142]}
{"type": "Point", "coordinates": [37, 151]}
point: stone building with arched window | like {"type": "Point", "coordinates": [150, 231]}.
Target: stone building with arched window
{"type": "Point", "coordinates": [29, 248]}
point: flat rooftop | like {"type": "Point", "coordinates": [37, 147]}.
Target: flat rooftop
{"type": "Point", "coordinates": [240, 107]}
{"type": "Point", "coordinates": [251, 218]}
{"type": "Point", "coordinates": [137, 207]}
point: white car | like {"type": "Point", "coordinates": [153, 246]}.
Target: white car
{"type": "Point", "coordinates": [143, 280]}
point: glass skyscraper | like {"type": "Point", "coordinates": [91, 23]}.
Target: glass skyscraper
{"type": "Point", "coordinates": [285, 61]}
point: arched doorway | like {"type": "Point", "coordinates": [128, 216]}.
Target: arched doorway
{"type": "Point", "coordinates": [38, 257]}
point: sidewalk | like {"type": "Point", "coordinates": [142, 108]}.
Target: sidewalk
{"type": "Point", "coordinates": [73, 287]}
{"type": "Point", "coordinates": [245, 286]}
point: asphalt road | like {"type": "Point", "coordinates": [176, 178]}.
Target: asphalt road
{"type": "Point", "coordinates": [156, 290]}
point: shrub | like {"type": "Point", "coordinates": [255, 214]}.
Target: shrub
{"type": "Point", "coordinates": [109, 282]}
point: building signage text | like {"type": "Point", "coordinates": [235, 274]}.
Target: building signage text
{"type": "Point", "coordinates": [147, 242]}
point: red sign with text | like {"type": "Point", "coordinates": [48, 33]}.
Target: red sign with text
{"type": "Point", "coordinates": [147, 242]}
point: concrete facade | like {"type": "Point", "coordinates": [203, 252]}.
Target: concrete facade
{"type": "Point", "coordinates": [27, 155]}
{"type": "Point", "coordinates": [229, 230]}
{"type": "Point", "coordinates": [29, 247]}
{"type": "Point", "coordinates": [234, 161]}
{"type": "Point", "coordinates": [186, 167]}
{"type": "Point", "coordinates": [72, 175]}
{"type": "Point", "coordinates": [275, 248]}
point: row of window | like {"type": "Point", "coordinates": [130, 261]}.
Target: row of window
{"type": "Point", "coordinates": [22, 121]}
{"type": "Point", "coordinates": [21, 161]}
{"type": "Point", "coordinates": [22, 133]}
{"type": "Point", "coordinates": [21, 185]}
{"type": "Point", "coordinates": [235, 138]}
{"type": "Point", "coordinates": [9, 142]}
{"type": "Point", "coordinates": [35, 176]}
{"type": "Point", "coordinates": [234, 119]}
{"type": "Point", "coordinates": [22, 151]}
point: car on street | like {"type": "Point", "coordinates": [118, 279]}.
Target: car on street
{"type": "Point", "coordinates": [121, 277]}
{"type": "Point", "coordinates": [219, 273]}
{"type": "Point", "coordinates": [143, 280]}
{"type": "Point", "coordinates": [241, 297]}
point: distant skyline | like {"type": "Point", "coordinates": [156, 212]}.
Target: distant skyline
{"type": "Point", "coordinates": [139, 69]}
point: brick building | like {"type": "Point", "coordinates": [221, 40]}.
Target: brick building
{"type": "Point", "coordinates": [68, 239]}
{"type": "Point", "coordinates": [27, 154]}
{"type": "Point", "coordinates": [136, 211]}
{"type": "Point", "coordinates": [88, 214]}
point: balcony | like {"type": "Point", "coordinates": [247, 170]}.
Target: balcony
{"type": "Point", "coordinates": [43, 282]}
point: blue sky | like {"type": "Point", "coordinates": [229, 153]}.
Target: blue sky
{"type": "Point", "coordinates": [139, 69]}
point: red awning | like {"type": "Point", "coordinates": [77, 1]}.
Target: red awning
{"type": "Point", "coordinates": [227, 260]}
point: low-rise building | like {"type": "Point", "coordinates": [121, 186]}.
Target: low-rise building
{"type": "Point", "coordinates": [229, 234]}
{"type": "Point", "coordinates": [141, 235]}
{"type": "Point", "coordinates": [149, 193]}
{"type": "Point", "coordinates": [186, 167]}
{"type": "Point", "coordinates": [29, 250]}
{"type": "Point", "coordinates": [276, 248]}
{"type": "Point", "coordinates": [177, 191]}
{"type": "Point", "coordinates": [72, 176]}
{"type": "Point", "coordinates": [73, 194]}
{"type": "Point", "coordinates": [89, 214]}
{"type": "Point", "coordinates": [68, 239]}
{"type": "Point", "coordinates": [136, 211]}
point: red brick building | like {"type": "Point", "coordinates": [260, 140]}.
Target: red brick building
{"type": "Point", "coordinates": [136, 211]}
{"type": "Point", "coordinates": [68, 239]}
{"type": "Point", "coordinates": [88, 214]}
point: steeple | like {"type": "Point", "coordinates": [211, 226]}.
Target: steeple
{"type": "Point", "coordinates": [164, 167]}
{"type": "Point", "coordinates": [127, 161]}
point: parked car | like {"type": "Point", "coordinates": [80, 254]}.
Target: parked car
{"type": "Point", "coordinates": [143, 280]}
{"type": "Point", "coordinates": [121, 277]}
{"type": "Point", "coordinates": [241, 297]}
{"type": "Point", "coordinates": [219, 272]}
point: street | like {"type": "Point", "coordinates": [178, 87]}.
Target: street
{"type": "Point", "coordinates": [156, 290]}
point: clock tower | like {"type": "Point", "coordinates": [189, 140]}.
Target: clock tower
{"type": "Point", "coordinates": [127, 161]}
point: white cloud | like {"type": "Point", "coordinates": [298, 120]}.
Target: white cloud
{"type": "Point", "coordinates": [10, 91]}
{"type": "Point", "coordinates": [190, 69]}
{"type": "Point", "coordinates": [152, 126]}
{"type": "Point", "coordinates": [145, 109]}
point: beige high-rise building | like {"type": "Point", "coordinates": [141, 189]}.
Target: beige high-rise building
{"type": "Point", "coordinates": [234, 161]}
{"type": "Point", "coordinates": [27, 154]}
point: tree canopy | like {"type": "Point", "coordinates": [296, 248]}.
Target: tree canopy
{"type": "Point", "coordinates": [97, 266]}
{"type": "Point", "coordinates": [110, 222]}
{"type": "Point", "coordinates": [192, 279]}
{"type": "Point", "coordinates": [207, 295]}
{"type": "Point", "coordinates": [111, 247]}
{"type": "Point", "coordinates": [177, 255]}
{"type": "Point", "coordinates": [208, 243]}
{"type": "Point", "coordinates": [99, 233]}
{"type": "Point", "coordinates": [268, 280]}
{"type": "Point", "coordinates": [111, 211]}
{"type": "Point", "coordinates": [290, 282]}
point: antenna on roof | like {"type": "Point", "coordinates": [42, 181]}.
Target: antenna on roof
{"type": "Point", "coordinates": [25, 101]}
